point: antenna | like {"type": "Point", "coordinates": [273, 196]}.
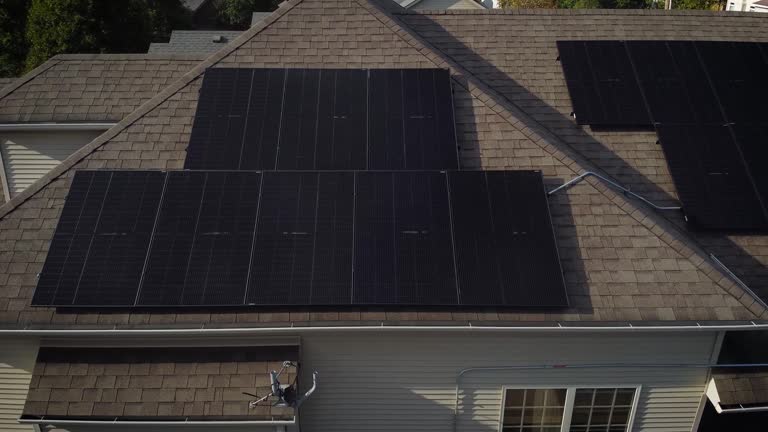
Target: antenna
{"type": "Point", "coordinates": [286, 394]}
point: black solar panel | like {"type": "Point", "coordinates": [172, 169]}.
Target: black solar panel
{"type": "Point", "coordinates": [505, 245]}
{"type": "Point", "coordinates": [262, 131]}
{"type": "Point", "coordinates": [98, 251]}
{"type": "Point", "coordinates": [737, 71]}
{"type": "Point", "coordinates": [202, 244]}
{"type": "Point", "coordinates": [309, 238]}
{"type": "Point", "coordinates": [602, 83]}
{"type": "Point", "coordinates": [329, 119]}
{"type": "Point", "coordinates": [403, 247]}
{"type": "Point", "coordinates": [216, 141]}
{"type": "Point", "coordinates": [711, 179]}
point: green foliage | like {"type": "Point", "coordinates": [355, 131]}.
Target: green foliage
{"type": "Point", "coordinates": [237, 13]}
{"type": "Point", "coordinates": [83, 26]}
{"type": "Point", "coordinates": [13, 17]}
{"type": "Point", "coordinates": [699, 4]}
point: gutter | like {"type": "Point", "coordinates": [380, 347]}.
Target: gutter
{"type": "Point", "coordinates": [291, 329]}
{"type": "Point", "coordinates": [55, 126]}
{"type": "Point", "coordinates": [116, 422]}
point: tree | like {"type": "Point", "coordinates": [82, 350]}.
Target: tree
{"type": "Point", "coordinates": [92, 26]}
{"type": "Point", "coordinates": [13, 46]}
{"type": "Point", "coordinates": [237, 13]}
{"type": "Point", "coordinates": [699, 4]}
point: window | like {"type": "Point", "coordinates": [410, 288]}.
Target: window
{"type": "Point", "coordinates": [528, 410]}
{"type": "Point", "coordinates": [603, 409]}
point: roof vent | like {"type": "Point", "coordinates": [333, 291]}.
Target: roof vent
{"type": "Point", "coordinates": [218, 39]}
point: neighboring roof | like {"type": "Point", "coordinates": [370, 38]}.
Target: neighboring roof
{"type": "Point", "coordinates": [258, 16]}
{"type": "Point", "coordinates": [198, 42]}
{"type": "Point", "coordinates": [439, 4]}
{"type": "Point", "coordinates": [741, 388]}
{"type": "Point", "coordinates": [761, 3]}
{"type": "Point", "coordinates": [167, 384]}
{"type": "Point", "coordinates": [90, 87]}
{"type": "Point", "coordinates": [622, 261]}
{"type": "Point", "coordinates": [193, 5]}
{"type": "Point", "coordinates": [5, 81]}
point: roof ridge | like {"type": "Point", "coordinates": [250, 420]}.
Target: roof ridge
{"type": "Point", "coordinates": [550, 142]}
{"type": "Point", "coordinates": [139, 112]}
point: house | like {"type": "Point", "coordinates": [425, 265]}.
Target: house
{"type": "Point", "coordinates": [444, 4]}
{"type": "Point", "coordinates": [747, 6]}
{"type": "Point", "coordinates": [651, 305]}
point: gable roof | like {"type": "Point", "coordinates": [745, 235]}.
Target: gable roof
{"type": "Point", "coordinates": [622, 261]}
{"type": "Point", "coordinates": [89, 87]}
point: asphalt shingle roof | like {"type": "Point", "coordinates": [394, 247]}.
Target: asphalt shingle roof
{"type": "Point", "coordinates": [621, 260]}
{"type": "Point", "coordinates": [199, 42]}
{"type": "Point", "coordinates": [164, 383]}
{"type": "Point", "coordinates": [90, 87]}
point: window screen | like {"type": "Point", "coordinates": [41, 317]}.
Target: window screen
{"type": "Point", "coordinates": [602, 409]}
{"type": "Point", "coordinates": [534, 410]}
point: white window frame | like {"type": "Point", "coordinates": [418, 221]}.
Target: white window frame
{"type": "Point", "coordinates": [570, 396]}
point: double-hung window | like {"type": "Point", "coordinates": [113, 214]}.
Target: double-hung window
{"type": "Point", "coordinates": [569, 409]}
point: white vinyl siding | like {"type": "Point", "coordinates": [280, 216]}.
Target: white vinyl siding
{"type": "Point", "coordinates": [29, 155]}
{"type": "Point", "coordinates": [446, 4]}
{"type": "Point", "coordinates": [406, 381]}
{"type": "Point", "coordinates": [17, 360]}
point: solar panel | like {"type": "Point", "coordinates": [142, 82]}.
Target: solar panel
{"type": "Point", "coordinates": [310, 238]}
{"type": "Point", "coordinates": [201, 247]}
{"type": "Point", "coordinates": [216, 141]}
{"type": "Point", "coordinates": [329, 119]}
{"type": "Point", "coordinates": [281, 271]}
{"type": "Point", "coordinates": [602, 83]}
{"type": "Point", "coordinates": [505, 245]}
{"type": "Point", "coordinates": [737, 71]}
{"type": "Point", "coordinates": [403, 247]}
{"type": "Point", "coordinates": [752, 140]}
{"type": "Point", "coordinates": [262, 130]}
{"type": "Point", "coordinates": [711, 179]}
{"type": "Point", "coordinates": [98, 250]}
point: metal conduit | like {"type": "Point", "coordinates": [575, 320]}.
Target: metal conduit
{"type": "Point", "coordinates": [585, 366]}
{"type": "Point", "coordinates": [612, 183]}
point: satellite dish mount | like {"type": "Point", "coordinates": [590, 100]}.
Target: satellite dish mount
{"type": "Point", "coordinates": [287, 394]}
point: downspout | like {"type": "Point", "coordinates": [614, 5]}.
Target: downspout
{"type": "Point", "coordinates": [584, 366]}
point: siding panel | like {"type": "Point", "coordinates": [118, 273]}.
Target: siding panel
{"type": "Point", "coordinates": [28, 155]}
{"type": "Point", "coordinates": [407, 381]}
{"type": "Point", "coordinates": [17, 359]}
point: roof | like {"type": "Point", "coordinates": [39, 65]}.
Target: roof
{"type": "Point", "coordinates": [194, 42]}
{"type": "Point", "coordinates": [90, 87]}
{"type": "Point", "coordinates": [761, 3]}
{"type": "Point", "coordinates": [193, 5]}
{"type": "Point", "coordinates": [258, 16]}
{"type": "Point", "coordinates": [5, 81]}
{"type": "Point", "coordinates": [167, 383]}
{"type": "Point", "coordinates": [622, 261]}
{"type": "Point", "coordinates": [737, 389]}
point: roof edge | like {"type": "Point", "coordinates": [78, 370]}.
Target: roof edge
{"type": "Point", "coordinates": [140, 112]}
{"type": "Point", "coordinates": [18, 82]}
{"type": "Point", "coordinates": [572, 12]}
{"type": "Point", "coordinates": [130, 56]}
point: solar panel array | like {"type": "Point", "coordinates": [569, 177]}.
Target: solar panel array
{"type": "Point", "coordinates": [324, 119]}
{"type": "Point", "coordinates": [706, 101]}
{"type": "Point", "coordinates": [310, 238]}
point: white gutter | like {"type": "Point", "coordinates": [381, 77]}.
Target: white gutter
{"type": "Point", "coordinates": [54, 126]}
{"type": "Point", "coordinates": [117, 422]}
{"type": "Point", "coordinates": [240, 331]}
